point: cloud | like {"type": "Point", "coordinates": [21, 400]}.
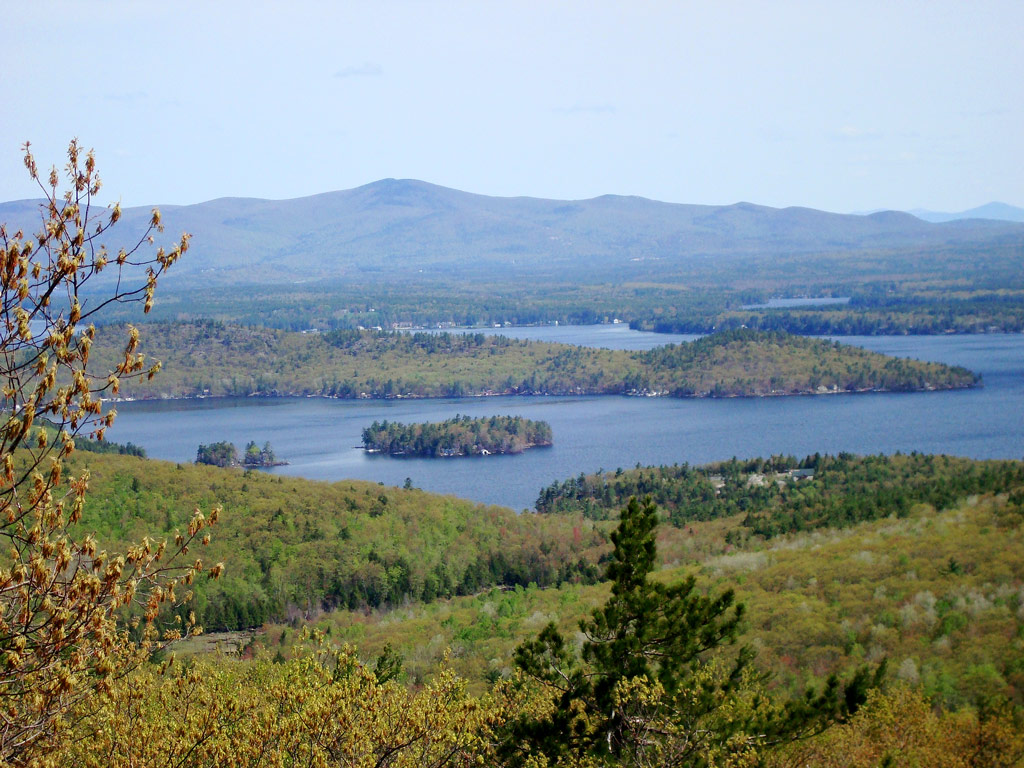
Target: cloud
{"type": "Point", "coordinates": [587, 109]}
{"type": "Point", "coordinates": [366, 69]}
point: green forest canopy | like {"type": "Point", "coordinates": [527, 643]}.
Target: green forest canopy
{"type": "Point", "coordinates": [299, 544]}
{"type": "Point", "coordinates": [214, 359]}
{"type": "Point", "coordinates": [460, 436]}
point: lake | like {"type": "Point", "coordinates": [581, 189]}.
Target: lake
{"type": "Point", "coordinates": [319, 437]}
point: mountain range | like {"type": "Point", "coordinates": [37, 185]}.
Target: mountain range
{"type": "Point", "coordinates": [405, 227]}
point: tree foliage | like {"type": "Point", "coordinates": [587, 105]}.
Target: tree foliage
{"type": "Point", "coordinates": [783, 494]}
{"type": "Point", "coordinates": [255, 456]}
{"type": "Point", "coordinates": [298, 547]}
{"type": "Point", "coordinates": [961, 288]}
{"type": "Point", "coordinates": [222, 454]}
{"type": "Point", "coordinates": [461, 436]}
{"type": "Point", "coordinates": [648, 634]}
{"type": "Point", "coordinates": [901, 728]}
{"type": "Point", "coordinates": [225, 454]}
{"type": "Point", "coordinates": [321, 709]}
{"type": "Point", "coordinates": [651, 684]}
{"type": "Point", "coordinates": [60, 594]}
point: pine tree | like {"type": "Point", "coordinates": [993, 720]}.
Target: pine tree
{"type": "Point", "coordinates": [654, 683]}
{"type": "Point", "coordinates": [662, 635]}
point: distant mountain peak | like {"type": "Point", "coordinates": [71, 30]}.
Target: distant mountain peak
{"type": "Point", "coordinates": [995, 210]}
{"type": "Point", "coordinates": [892, 216]}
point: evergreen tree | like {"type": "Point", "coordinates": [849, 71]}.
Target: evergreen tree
{"type": "Point", "coordinates": [252, 453]}
{"type": "Point", "coordinates": [651, 684]}
{"type": "Point", "coordinates": [267, 455]}
{"type": "Point", "coordinates": [647, 631]}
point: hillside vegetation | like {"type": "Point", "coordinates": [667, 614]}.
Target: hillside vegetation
{"type": "Point", "coordinates": [869, 313]}
{"type": "Point", "coordinates": [782, 494]}
{"type": "Point", "coordinates": [297, 547]}
{"type": "Point", "coordinates": [216, 359]}
{"type": "Point", "coordinates": [933, 582]}
{"type": "Point", "coordinates": [935, 589]}
{"type": "Point", "coordinates": [937, 592]}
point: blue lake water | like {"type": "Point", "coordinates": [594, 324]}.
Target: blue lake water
{"type": "Point", "coordinates": [319, 437]}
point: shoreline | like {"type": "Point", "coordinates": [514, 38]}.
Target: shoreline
{"type": "Point", "coordinates": [659, 394]}
{"type": "Point", "coordinates": [481, 454]}
{"type": "Point", "coordinates": [496, 330]}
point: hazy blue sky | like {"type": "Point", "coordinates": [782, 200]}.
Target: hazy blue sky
{"type": "Point", "coordinates": [842, 106]}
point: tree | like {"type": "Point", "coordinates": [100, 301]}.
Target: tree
{"type": "Point", "coordinates": [60, 597]}
{"type": "Point", "coordinates": [267, 456]}
{"type": "Point", "coordinates": [648, 634]}
{"type": "Point", "coordinates": [651, 684]}
{"type": "Point", "coordinates": [322, 708]}
{"type": "Point", "coordinates": [252, 453]}
{"type": "Point", "coordinates": [901, 727]}
{"type": "Point", "coordinates": [222, 454]}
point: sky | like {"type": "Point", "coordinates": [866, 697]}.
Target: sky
{"type": "Point", "coordinates": [842, 106]}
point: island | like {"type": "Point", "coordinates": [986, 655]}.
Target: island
{"type": "Point", "coordinates": [225, 454]}
{"type": "Point", "coordinates": [461, 436]}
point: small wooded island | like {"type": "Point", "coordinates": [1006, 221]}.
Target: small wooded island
{"type": "Point", "coordinates": [225, 454]}
{"type": "Point", "coordinates": [461, 436]}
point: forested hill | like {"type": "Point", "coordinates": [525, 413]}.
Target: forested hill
{"type": "Point", "coordinates": [782, 494]}
{"type": "Point", "coordinates": [923, 568]}
{"type": "Point", "coordinates": [215, 359]}
{"type": "Point", "coordinates": [291, 544]}
{"type": "Point", "coordinates": [403, 227]}
{"type": "Point", "coordinates": [935, 589]}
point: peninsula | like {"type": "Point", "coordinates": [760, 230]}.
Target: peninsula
{"type": "Point", "coordinates": [214, 359]}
